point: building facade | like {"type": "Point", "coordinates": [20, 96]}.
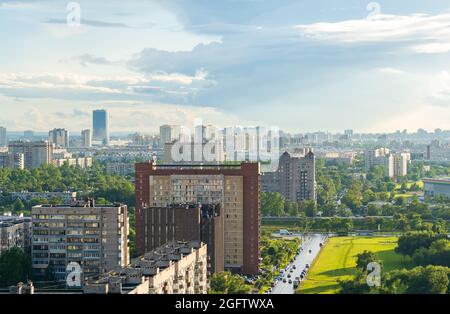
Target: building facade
{"type": "Point", "coordinates": [168, 134]}
{"type": "Point", "coordinates": [12, 160]}
{"type": "Point", "coordinates": [396, 164]}
{"type": "Point", "coordinates": [437, 187]}
{"type": "Point", "coordinates": [59, 137]}
{"type": "Point", "coordinates": [35, 153]}
{"type": "Point", "coordinates": [234, 188]}
{"type": "Point", "coordinates": [15, 231]}
{"type": "Point", "coordinates": [187, 222]}
{"type": "Point", "coordinates": [100, 126]}
{"type": "Point", "coordinates": [95, 237]}
{"type": "Point", "coordinates": [86, 138]}
{"type": "Point", "coordinates": [295, 178]}
{"type": "Point", "coordinates": [174, 268]}
{"type": "Point", "coordinates": [3, 138]}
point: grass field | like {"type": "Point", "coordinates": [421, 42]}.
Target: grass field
{"type": "Point", "coordinates": [338, 259]}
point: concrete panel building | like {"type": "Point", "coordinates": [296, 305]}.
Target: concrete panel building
{"type": "Point", "coordinates": [234, 187]}
{"type": "Point", "coordinates": [59, 137]}
{"type": "Point", "coordinates": [95, 237]}
{"type": "Point", "coordinates": [15, 231]}
{"type": "Point", "coordinates": [34, 153]}
{"type": "Point", "coordinates": [174, 268]}
{"type": "Point", "coordinates": [86, 138]}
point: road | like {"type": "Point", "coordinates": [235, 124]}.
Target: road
{"type": "Point", "coordinates": [309, 242]}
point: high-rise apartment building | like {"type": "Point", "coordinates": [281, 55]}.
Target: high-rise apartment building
{"type": "Point", "coordinates": [187, 222]}
{"type": "Point", "coordinates": [15, 231]}
{"type": "Point", "coordinates": [295, 177]}
{"type": "Point", "coordinates": [396, 164]}
{"type": "Point", "coordinates": [59, 137]}
{"type": "Point", "coordinates": [95, 237]}
{"type": "Point", "coordinates": [234, 188]}
{"type": "Point", "coordinates": [86, 138]}
{"type": "Point", "coordinates": [3, 139]}
{"type": "Point", "coordinates": [34, 153]}
{"type": "Point", "coordinates": [168, 134]}
{"type": "Point", "coordinates": [100, 123]}
{"type": "Point", "coordinates": [12, 160]}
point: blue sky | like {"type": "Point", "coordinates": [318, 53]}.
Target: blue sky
{"type": "Point", "coordinates": [300, 65]}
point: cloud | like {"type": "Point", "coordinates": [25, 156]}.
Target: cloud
{"type": "Point", "coordinates": [93, 23]}
{"type": "Point", "coordinates": [423, 33]}
{"type": "Point", "coordinates": [390, 71]}
{"type": "Point", "coordinates": [157, 86]}
{"type": "Point", "coordinates": [87, 59]}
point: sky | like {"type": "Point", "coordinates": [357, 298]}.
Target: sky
{"type": "Point", "coordinates": [299, 65]}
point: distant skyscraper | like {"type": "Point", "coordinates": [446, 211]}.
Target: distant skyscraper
{"type": "Point", "coordinates": [28, 135]}
{"type": "Point", "coordinates": [100, 123]}
{"type": "Point", "coordinates": [59, 137]}
{"type": "Point", "coordinates": [2, 136]}
{"type": "Point", "coordinates": [86, 138]}
{"type": "Point", "coordinates": [168, 133]}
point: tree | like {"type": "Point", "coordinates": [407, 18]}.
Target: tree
{"type": "Point", "coordinates": [407, 244]}
{"type": "Point", "coordinates": [15, 266]}
{"type": "Point", "coordinates": [227, 283]}
{"type": "Point", "coordinates": [365, 258]}
{"type": "Point", "coordinates": [18, 205]}
{"type": "Point", "coordinates": [272, 204]}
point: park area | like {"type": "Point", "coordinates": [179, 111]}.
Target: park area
{"type": "Point", "coordinates": [338, 259]}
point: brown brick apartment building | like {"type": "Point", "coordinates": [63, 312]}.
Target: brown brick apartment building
{"type": "Point", "coordinates": [234, 187]}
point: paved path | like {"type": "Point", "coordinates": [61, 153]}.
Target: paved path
{"type": "Point", "coordinates": [309, 242]}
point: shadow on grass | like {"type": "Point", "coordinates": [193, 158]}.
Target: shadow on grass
{"type": "Point", "coordinates": [321, 289]}
{"type": "Point", "coordinates": [338, 272]}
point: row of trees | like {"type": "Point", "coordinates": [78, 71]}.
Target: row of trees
{"type": "Point", "coordinates": [91, 181]}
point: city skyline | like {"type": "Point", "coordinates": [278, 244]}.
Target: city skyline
{"type": "Point", "coordinates": [304, 66]}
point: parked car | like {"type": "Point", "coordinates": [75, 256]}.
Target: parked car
{"type": "Point", "coordinates": [284, 280]}
{"type": "Point", "coordinates": [290, 281]}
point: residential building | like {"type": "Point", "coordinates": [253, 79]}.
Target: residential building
{"type": "Point", "coordinates": [168, 134]}
{"type": "Point", "coordinates": [100, 124]}
{"type": "Point", "coordinates": [187, 222]}
{"type": "Point", "coordinates": [12, 160]}
{"type": "Point", "coordinates": [15, 231]}
{"type": "Point", "coordinates": [63, 197]}
{"type": "Point", "coordinates": [234, 187]}
{"type": "Point", "coordinates": [295, 178]}
{"type": "Point", "coordinates": [3, 138]}
{"type": "Point", "coordinates": [437, 187]}
{"type": "Point", "coordinates": [34, 153]}
{"type": "Point", "coordinates": [59, 137]}
{"type": "Point", "coordinates": [95, 237]}
{"type": "Point", "coordinates": [174, 268]}
{"type": "Point", "coordinates": [120, 168]}
{"type": "Point", "coordinates": [396, 164]}
{"type": "Point", "coordinates": [86, 138]}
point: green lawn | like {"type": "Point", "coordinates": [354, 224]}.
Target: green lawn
{"type": "Point", "coordinates": [338, 259]}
